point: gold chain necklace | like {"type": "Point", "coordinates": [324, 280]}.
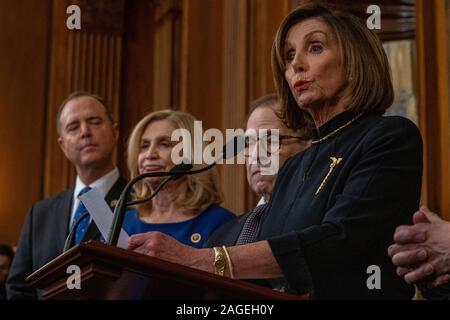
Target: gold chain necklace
{"type": "Point", "coordinates": [337, 130]}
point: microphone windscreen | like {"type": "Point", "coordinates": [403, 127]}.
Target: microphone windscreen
{"type": "Point", "coordinates": [182, 167]}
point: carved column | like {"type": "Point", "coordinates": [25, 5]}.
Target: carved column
{"type": "Point", "coordinates": [235, 93]}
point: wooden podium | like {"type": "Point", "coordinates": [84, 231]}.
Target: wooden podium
{"type": "Point", "coordinates": [113, 273]}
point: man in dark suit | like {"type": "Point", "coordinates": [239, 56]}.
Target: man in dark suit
{"type": "Point", "coordinates": [262, 120]}
{"type": "Point", "coordinates": [87, 136]}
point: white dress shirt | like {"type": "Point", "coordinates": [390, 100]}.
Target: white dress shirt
{"type": "Point", "coordinates": [104, 184]}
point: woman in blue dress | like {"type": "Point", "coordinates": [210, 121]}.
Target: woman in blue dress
{"type": "Point", "coordinates": [186, 209]}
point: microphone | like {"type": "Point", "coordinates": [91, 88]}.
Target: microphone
{"type": "Point", "coordinates": [182, 167]}
{"type": "Point", "coordinates": [71, 237]}
{"type": "Point", "coordinates": [229, 150]}
{"type": "Point", "coordinates": [179, 168]}
{"type": "Point", "coordinates": [232, 148]}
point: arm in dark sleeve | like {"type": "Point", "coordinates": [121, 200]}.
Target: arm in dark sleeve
{"type": "Point", "coordinates": [217, 237]}
{"type": "Point", "coordinates": [381, 192]}
{"type": "Point", "coordinates": [21, 268]}
{"type": "Point", "coordinates": [439, 293]}
{"type": "Point", "coordinates": [214, 238]}
{"type": "Point", "coordinates": [226, 234]}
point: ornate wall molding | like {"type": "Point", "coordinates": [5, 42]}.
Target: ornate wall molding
{"type": "Point", "coordinates": [103, 16]}
{"type": "Point", "coordinates": [398, 17]}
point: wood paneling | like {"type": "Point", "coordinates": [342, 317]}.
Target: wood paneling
{"type": "Point", "coordinates": [235, 94]}
{"type": "Point", "coordinates": [24, 36]}
{"type": "Point", "coordinates": [265, 17]}
{"type": "Point", "coordinates": [398, 17]}
{"type": "Point", "coordinates": [90, 60]}
{"type": "Point", "coordinates": [202, 52]}
{"type": "Point", "coordinates": [432, 45]}
{"type": "Point", "coordinates": [166, 57]}
{"type": "Point", "coordinates": [137, 67]}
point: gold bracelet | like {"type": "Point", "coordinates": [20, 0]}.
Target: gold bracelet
{"type": "Point", "coordinates": [219, 261]}
{"type": "Point", "coordinates": [230, 265]}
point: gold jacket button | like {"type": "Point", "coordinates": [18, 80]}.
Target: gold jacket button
{"type": "Point", "coordinates": [113, 203]}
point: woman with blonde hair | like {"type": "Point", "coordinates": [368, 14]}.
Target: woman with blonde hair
{"type": "Point", "coordinates": [187, 208]}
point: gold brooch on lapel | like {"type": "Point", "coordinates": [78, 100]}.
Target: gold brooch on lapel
{"type": "Point", "coordinates": [196, 237]}
{"type": "Point", "coordinates": [334, 162]}
{"type": "Point", "coordinates": [113, 203]}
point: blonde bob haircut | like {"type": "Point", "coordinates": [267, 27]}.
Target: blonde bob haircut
{"type": "Point", "coordinates": [363, 60]}
{"type": "Point", "coordinates": [202, 189]}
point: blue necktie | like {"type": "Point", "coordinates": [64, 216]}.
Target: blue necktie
{"type": "Point", "coordinates": [82, 227]}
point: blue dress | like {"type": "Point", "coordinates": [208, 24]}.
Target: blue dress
{"type": "Point", "coordinates": [193, 232]}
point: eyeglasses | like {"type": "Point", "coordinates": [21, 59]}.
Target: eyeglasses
{"type": "Point", "coordinates": [269, 143]}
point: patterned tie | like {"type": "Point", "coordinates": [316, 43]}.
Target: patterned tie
{"type": "Point", "coordinates": [83, 225]}
{"type": "Point", "coordinates": [251, 226]}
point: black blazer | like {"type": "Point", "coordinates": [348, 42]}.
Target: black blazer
{"type": "Point", "coordinates": [43, 236]}
{"type": "Point", "coordinates": [326, 227]}
{"type": "Point", "coordinates": [227, 235]}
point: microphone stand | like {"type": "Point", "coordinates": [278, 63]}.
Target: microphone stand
{"type": "Point", "coordinates": [160, 186]}
{"type": "Point", "coordinates": [232, 148]}
{"type": "Point", "coordinates": [71, 237]}
{"type": "Point", "coordinates": [178, 168]}
{"type": "Point", "coordinates": [119, 212]}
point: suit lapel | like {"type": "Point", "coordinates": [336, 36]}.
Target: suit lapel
{"type": "Point", "coordinates": [62, 217]}
{"type": "Point", "coordinates": [111, 198]}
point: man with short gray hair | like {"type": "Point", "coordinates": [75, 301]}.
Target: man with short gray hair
{"type": "Point", "coordinates": [262, 123]}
